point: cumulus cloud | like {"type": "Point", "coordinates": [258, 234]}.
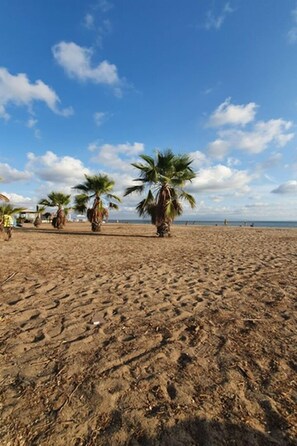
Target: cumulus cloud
{"type": "Point", "coordinates": [18, 90]}
{"type": "Point", "coordinates": [215, 21]}
{"type": "Point", "coordinates": [254, 141]}
{"type": "Point", "coordinates": [9, 174]}
{"type": "Point", "coordinates": [220, 178]}
{"type": "Point", "coordinates": [49, 167]}
{"type": "Point", "coordinates": [290, 187]}
{"type": "Point", "coordinates": [76, 61]}
{"type": "Point", "coordinates": [116, 157]}
{"type": "Point", "coordinates": [18, 200]}
{"type": "Point", "coordinates": [230, 114]}
{"type": "Point", "coordinates": [199, 158]}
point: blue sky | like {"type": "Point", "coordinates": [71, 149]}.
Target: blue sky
{"type": "Point", "coordinates": [86, 87]}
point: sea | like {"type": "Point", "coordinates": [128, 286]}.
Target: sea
{"type": "Point", "coordinates": [256, 224]}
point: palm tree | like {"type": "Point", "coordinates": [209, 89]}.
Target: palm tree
{"type": "Point", "coordinates": [8, 209]}
{"type": "Point", "coordinates": [163, 179]}
{"type": "Point", "coordinates": [98, 187]}
{"type": "Point", "coordinates": [38, 220]}
{"type": "Point", "coordinates": [61, 201]}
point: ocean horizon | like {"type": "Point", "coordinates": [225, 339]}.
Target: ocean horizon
{"type": "Point", "coordinates": [240, 223]}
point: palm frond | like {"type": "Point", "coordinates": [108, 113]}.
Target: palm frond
{"type": "Point", "coordinates": [138, 188]}
{"type": "Point", "coordinates": [45, 202]}
{"type": "Point", "coordinates": [173, 209]}
{"type": "Point", "coordinates": [189, 198]}
{"type": "Point", "coordinates": [80, 203]}
{"type": "Point", "coordinates": [113, 197]}
{"type": "Point", "coordinates": [4, 198]}
{"type": "Point", "coordinates": [96, 185]}
{"type": "Point", "coordinates": [112, 205]}
{"type": "Point", "coordinates": [8, 209]}
{"type": "Point", "coordinates": [55, 199]}
{"type": "Point", "coordinates": [147, 205]}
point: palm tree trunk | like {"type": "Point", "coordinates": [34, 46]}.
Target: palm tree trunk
{"type": "Point", "coordinates": [37, 221]}
{"type": "Point", "coordinates": [60, 219]}
{"type": "Point", "coordinates": [96, 219]}
{"type": "Point", "coordinates": [162, 221]}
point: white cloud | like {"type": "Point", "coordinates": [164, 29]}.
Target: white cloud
{"type": "Point", "coordinates": [263, 134]}
{"type": "Point", "coordinates": [3, 114]}
{"type": "Point", "coordinates": [272, 161]}
{"type": "Point", "coordinates": [99, 118]}
{"type": "Point", "coordinates": [220, 178]}
{"type": "Point", "coordinates": [214, 21]}
{"type": "Point", "coordinates": [290, 187]}
{"type": "Point", "coordinates": [76, 61]}
{"type": "Point", "coordinates": [219, 148]}
{"type": "Point", "coordinates": [198, 158]}
{"type": "Point", "coordinates": [18, 90]}
{"type": "Point", "coordinates": [9, 174]}
{"type": "Point", "coordinates": [49, 167]}
{"type": "Point", "coordinates": [18, 200]}
{"type": "Point", "coordinates": [116, 157]}
{"type": "Point", "coordinates": [31, 123]}
{"type": "Point", "coordinates": [230, 114]}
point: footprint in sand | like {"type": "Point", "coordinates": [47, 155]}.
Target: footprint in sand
{"type": "Point", "coordinates": [171, 390]}
{"type": "Point", "coordinates": [39, 336]}
{"type": "Point", "coordinates": [13, 301]}
{"type": "Point", "coordinates": [184, 359]}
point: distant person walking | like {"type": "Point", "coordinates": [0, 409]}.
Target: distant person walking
{"type": "Point", "coordinates": [7, 223]}
{"type": "Point", "coordinates": [225, 222]}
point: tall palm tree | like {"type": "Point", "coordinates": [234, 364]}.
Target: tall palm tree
{"type": "Point", "coordinates": [98, 187]}
{"type": "Point", "coordinates": [163, 179]}
{"type": "Point", "coordinates": [61, 201]}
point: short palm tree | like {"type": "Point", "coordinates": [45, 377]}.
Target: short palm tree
{"type": "Point", "coordinates": [8, 209]}
{"type": "Point", "coordinates": [163, 179]}
{"type": "Point", "coordinates": [61, 201]}
{"type": "Point", "coordinates": [38, 220]}
{"type": "Point", "coordinates": [98, 187]}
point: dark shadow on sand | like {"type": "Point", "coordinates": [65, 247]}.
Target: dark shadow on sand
{"type": "Point", "coordinates": [201, 432]}
{"type": "Point", "coordinates": [80, 233]}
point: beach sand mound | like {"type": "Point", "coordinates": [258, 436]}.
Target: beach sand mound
{"type": "Point", "coordinates": [126, 339]}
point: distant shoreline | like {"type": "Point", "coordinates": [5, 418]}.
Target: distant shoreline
{"type": "Point", "coordinates": [246, 223]}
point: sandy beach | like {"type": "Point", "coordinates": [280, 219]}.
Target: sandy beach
{"type": "Point", "coordinates": [123, 338]}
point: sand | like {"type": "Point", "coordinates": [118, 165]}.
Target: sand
{"type": "Point", "coordinates": [127, 339]}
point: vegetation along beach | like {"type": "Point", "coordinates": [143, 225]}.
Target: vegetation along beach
{"type": "Point", "coordinates": [187, 340]}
